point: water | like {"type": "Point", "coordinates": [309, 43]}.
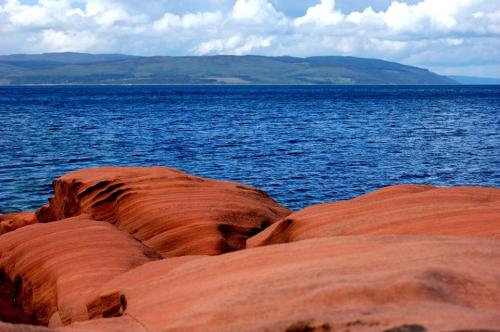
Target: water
{"type": "Point", "coordinates": [303, 145]}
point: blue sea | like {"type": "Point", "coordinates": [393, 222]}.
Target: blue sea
{"type": "Point", "coordinates": [301, 144]}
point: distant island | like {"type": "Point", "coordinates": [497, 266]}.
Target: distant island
{"type": "Point", "coordinates": [81, 68]}
{"type": "Point", "coordinates": [471, 80]}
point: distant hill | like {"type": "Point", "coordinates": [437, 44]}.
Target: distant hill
{"type": "Point", "coordinates": [476, 80]}
{"type": "Point", "coordinates": [79, 68]}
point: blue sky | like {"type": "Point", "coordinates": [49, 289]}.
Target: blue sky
{"type": "Point", "coordinates": [446, 36]}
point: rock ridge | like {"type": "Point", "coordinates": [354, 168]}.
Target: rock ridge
{"type": "Point", "coordinates": [156, 249]}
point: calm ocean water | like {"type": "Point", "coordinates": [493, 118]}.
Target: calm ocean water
{"type": "Point", "coordinates": [303, 145]}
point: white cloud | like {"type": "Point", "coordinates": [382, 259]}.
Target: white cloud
{"type": "Point", "coordinates": [217, 45]}
{"type": "Point", "coordinates": [255, 11]}
{"type": "Point", "coordinates": [432, 33]}
{"type": "Point", "coordinates": [252, 44]}
{"type": "Point", "coordinates": [323, 13]}
{"type": "Point", "coordinates": [57, 41]}
{"type": "Point", "coordinates": [235, 45]}
{"type": "Point", "coordinates": [18, 16]}
{"type": "Point", "coordinates": [106, 13]}
{"type": "Point", "coordinates": [361, 17]}
{"type": "Point", "coordinates": [187, 21]}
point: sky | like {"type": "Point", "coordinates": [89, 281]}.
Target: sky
{"type": "Point", "coordinates": [450, 37]}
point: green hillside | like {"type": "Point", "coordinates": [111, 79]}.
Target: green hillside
{"type": "Point", "coordinates": [77, 68]}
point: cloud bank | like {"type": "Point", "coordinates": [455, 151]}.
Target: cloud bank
{"type": "Point", "coordinates": [450, 37]}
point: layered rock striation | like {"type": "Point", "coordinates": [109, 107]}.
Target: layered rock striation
{"type": "Point", "coordinates": [156, 249]}
{"type": "Point", "coordinates": [53, 267]}
{"type": "Point", "coordinates": [167, 210]}
{"type": "Point", "coordinates": [396, 210]}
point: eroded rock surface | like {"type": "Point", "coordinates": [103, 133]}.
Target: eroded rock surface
{"type": "Point", "coordinates": [396, 210]}
{"type": "Point", "coordinates": [6, 327]}
{"type": "Point", "coordinates": [170, 211]}
{"type": "Point", "coordinates": [50, 269]}
{"type": "Point", "coordinates": [362, 283]}
{"type": "Point", "coordinates": [155, 249]}
{"type": "Point", "coordinates": [12, 221]}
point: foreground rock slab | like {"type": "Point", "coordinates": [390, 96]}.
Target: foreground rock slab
{"type": "Point", "coordinates": [358, 283]}
{"type": "Point", "coordinates": [155, 249]}
{"type": "Point", "coordinates": [48, 270]}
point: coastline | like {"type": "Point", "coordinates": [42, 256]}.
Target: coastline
{"type": "Point", "coordinates": [172, 250]}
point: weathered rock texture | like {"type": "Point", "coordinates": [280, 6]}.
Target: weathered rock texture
{"type": "Point", "coordinates": [170, 211]}
{"type": "Point", "coordinates": [396, 210]}
{"type": "Point", "coordinates": [6, 327]}
{"type": "Point", "coordinates": [373, 282]}
{"type": "Point", "coordinates": [11, 222]}
{"type": "Point", "coordinates": [155, 249]}
{"type": "Point", "coordinates": [51, 268]}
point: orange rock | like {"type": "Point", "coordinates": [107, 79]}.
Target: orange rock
{"type": "Point", "coordinates": [114, 324]}
{"type": "Point", "coordinates": [404, 258]}
{"type": "Point", "coordinates": [109, 299]}
{"type": "Point", "coordinates": [396, 210]}
{"type": "Point", "coordinates": [12, 221]}
{"type": "Point", "coordinates": [360, 283]}
{"type": "Point", "coordinates": [50, 269]}
{"type": "Point", "coordinates": [5, 327]}
{"type": "Point", "coordinates": [170, 211]}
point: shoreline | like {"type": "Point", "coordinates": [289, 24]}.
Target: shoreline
{"type": "Point", "coordinates": [172, 250]}
{"type": "Point", "coordinates": [242, 85]}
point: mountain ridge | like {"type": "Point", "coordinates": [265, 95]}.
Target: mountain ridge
{"type": "Point", "coordinates": [84, 68]}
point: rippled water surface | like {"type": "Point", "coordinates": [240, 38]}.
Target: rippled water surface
{"type": "Point", "coordinates": [302, 145]}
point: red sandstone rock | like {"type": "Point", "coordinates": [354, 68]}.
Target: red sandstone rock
{"type": "Point", "coordinates": [170, 211]}
{"type": "Point", "coordinates": [360, 283]}
{"type": "Point", "coordinates": [114, 324]}
{"type": "Point", "coordinates": [396, 210]}
{"type": "Point", "coordinates": [5, 327]}
{"type": "Point", "coordinates": [403, 258]}
{"type": "Point", "coordinates": [12, 221]}
{"type": "Point", "coordinates": [51, 268]}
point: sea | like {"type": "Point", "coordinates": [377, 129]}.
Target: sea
{"type": "Point", "coordinates": [303, 145]}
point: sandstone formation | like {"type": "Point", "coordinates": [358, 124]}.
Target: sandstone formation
{"type": "Point", "coordinates": [6, 327]}
{"type": "Point", "coordinates": [371, 283]}
{"type": "Point", "coordinates": [13, 221]}
{"type": "Point", "coordinates": [51, 268]}
{"type": "Point", "coordinates": [170, 211]}
{"type": "Point", "coordinates": [155, 249]}
{"type": "Point", "coordinates": [396, 210]}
